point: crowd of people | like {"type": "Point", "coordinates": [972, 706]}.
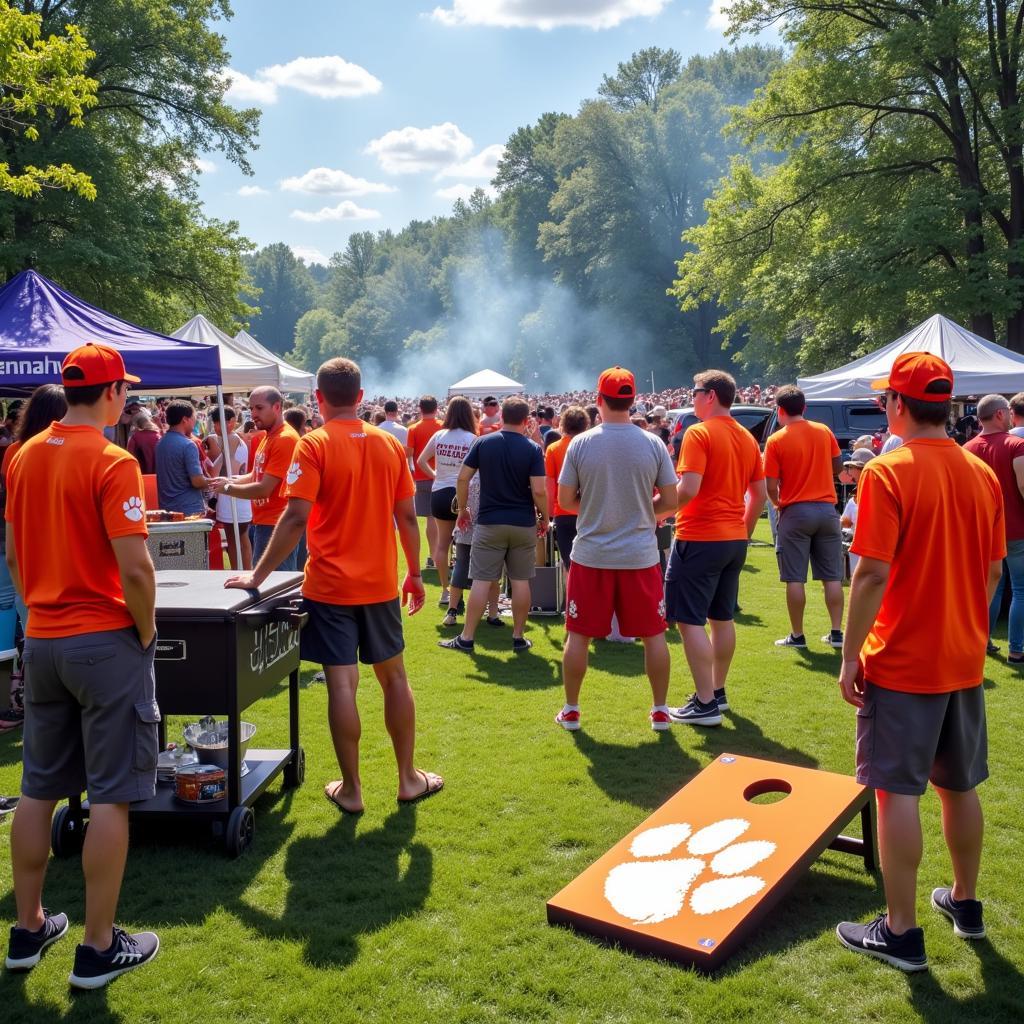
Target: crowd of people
{"type": "Point", "coordinates": [653, 531]}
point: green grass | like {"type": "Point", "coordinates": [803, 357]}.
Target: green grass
{"type": "Point", "coordinates": [437, 913]}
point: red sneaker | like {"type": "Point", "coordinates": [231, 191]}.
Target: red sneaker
{"type": "Point", "coordinates": [660, 721]}
{"type": "Point", "coordinates": [568, 720]}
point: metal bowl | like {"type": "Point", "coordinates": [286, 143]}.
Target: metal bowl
{"type": "Point", "coordinates": [212, 744]}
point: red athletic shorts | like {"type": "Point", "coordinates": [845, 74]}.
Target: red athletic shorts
{"type": "Point", "coordinates": [636, 596]}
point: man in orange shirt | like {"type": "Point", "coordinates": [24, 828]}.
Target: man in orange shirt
{"type": "Point", "coordinates": [800, 464]}
{"type": "Point", "coordinates": [721, 493]}
{"type": "Point", "coordinates": [76, 548]}
{"type": "Point", "coordinates": [265, 486]}
{"type": "Point", "coordinates": [420, 433]}
{"type": "Point", "coordinates": [574, 421]}
{"type": "Point", "coordinates": [351, 586]}
{"type": "Point", "coordinates": [931, 541]}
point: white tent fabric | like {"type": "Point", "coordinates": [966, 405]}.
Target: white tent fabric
{"type": "Point", "coordinates": [980, 367]}
{"type": "Point", "coordinates": [484, 383]}
{"type": "Point", "coordinates": [241, 370]}
{"type": "Point", "coordinates": [292, 378]}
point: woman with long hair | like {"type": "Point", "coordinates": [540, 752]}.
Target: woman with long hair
{"type": "Point", "coordinates": [448, 448]}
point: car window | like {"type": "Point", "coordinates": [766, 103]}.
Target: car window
{"type": "Point", "coordinates": [688, 421]}
{"type": "Point", "coordinates": [865, 419]}
{"type": "Point", "coordinates": [821, 414]}
{"type": "Point", "coordinates": [754, 420]}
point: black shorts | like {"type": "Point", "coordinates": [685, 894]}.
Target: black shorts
{"type": "Point", "coordinates": [336, 633]}
{"type": "Point", "coordinates": [703, 580]}
{"type": "Point", "coordinates": [565, 534]}
{"type": "Point", "coordinates": [441, 502]}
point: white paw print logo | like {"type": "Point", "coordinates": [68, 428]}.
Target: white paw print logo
{"type": "Point", "coordinates": [654, 887]}
{"type": "Point", "coordinates": [133, 510]}
{"type": "Point", "coordinates": [293, 473]}
{"type": "Point", "coordinates": [572, 610]}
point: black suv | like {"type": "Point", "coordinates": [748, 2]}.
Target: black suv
{"type": "Point", "coordinates": [847, 418]}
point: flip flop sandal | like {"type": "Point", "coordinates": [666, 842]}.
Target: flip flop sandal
{"type": "Point", "coordinates": [330, 792]}
{"type": "Point", "coordinates": [431, 784]}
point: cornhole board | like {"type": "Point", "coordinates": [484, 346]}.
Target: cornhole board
{"type": "Point", "coordinates": [692, 882]}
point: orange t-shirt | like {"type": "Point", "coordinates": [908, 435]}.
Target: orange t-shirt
{"type": "Point", "coordinates": [800, 457]}
{"type": "Point", "coordinates": [420, 433]}
{"type": "Point", "coordinates": [934, 513]}
{"type": "Point", "coordinates": [70, 491]}
{"type": "Point", "coordinates": [8, 455]}
{"type": "Point", "coordinates": [253, 440]}
{"type": "Point", "coordinates": [553, 459]}
{"type": "Point", "coordinates": [727, 457]}
{"type": "Point", "coordinates": [273, 457]}
{"type": "Point", "coordinates": [353, 473]}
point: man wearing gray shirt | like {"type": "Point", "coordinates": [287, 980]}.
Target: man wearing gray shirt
{"type": "Point", "coordinates": [610, 476]}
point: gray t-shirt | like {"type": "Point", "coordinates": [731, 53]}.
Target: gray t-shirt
{"type": "Point", "coordinates": [616, 468]}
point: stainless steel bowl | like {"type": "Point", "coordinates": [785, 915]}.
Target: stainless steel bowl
{"type": "Point", "coordinates": [212, 744]}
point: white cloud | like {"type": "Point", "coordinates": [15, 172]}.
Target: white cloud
{"type": "Point", "coordinates": [346, 210]}
{"type": "Point", "coordinates": [546, 14]}
{"type": "Point", "coordinates": [717, 17]}
{"type": "Point", "coordinates": [204, 166]}
{"type": "Point", "coordinates": [249, 191]}
{"type": "Point", "coordinates": [462, 191]}
{"type": "Point", "coordinates": [411, 150]}
{"type": "Point", "coordinates": [243, 89]}
{"type": "Point", "coordinates": [308, 254]}
{"type": "Point", "coordinates": [327, 77]}
{"type": "Point", "coordinates": [483, 165]}
{"type": "Point", "coordinates": [323, 181]}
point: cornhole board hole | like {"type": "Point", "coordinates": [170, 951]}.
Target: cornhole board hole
{"type": "Point", "coordinates": [693, 881]}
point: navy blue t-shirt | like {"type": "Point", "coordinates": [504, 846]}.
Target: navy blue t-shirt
{"type": "Point", "coordinates": [505, 461]}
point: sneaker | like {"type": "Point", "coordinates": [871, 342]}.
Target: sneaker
{"type": "Point", "coordinates": [695, 712]}
{"type": "Point", "coordinates": [456, 644]}
{"type": "Point", "coordinates": [11, 718]}
{"type": "Point", "coordinates": [93, 968]}
{"type": "Point", "coordinates": [792, 641]}
{"type": "Point", "coordinates": [965, 914]}
{"type": "Point", "coordinates": [8, 805]}
{"type": "Point", "coordinates": [497, 622]}
{"type": "Point", "coordinates": [25, 948]}
{"type": "Point", "coordinates": [442, 601]}
{"type": "Point", "coordinates": [992, 649]}
{"type": "Point", "coordinates": [569, 720]}
{"type": "Point", "coordinates": [521, 644]}
{"type": "Point", "coordinates": [430, 563]}
{"type": "Point", "coordinates": [451, 619]}
{"type": "Point", "coordinates": [833, 638]}
{"type": "Point", "coordinates": [660, 721]}
{"type": "Point", "coordinates": [904, 951]}
{"type": "Point", "coordinates": [723, 703]}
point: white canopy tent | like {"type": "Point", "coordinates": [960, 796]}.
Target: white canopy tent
{"type": "Point", "coordinates": [241, 370]}
{"type": "Point", "coordinates": [980, 367]}
{"type": "Point", "coordinates": [485, 383]}
{"type": "Point", "coordinates": [292, 378]}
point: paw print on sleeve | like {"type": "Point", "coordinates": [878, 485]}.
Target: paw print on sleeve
{"type": "Point", "coordinates": [294, 472]}
{"type": "Point", "coordinates": [133, 510]}
{"type": "Point", "coordinates": [654, 887]}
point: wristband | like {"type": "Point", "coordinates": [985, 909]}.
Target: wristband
{"type": "Point", "coordinates": [414, 575]}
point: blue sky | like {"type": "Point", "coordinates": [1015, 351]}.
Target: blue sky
{"type": "Point", "coordinates": [397, 105]}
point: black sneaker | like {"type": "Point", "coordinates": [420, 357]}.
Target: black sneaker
{"type": "Point", "coordinates": [497, 622]}
{"type": "Point", "coordinates": [26, 948]}
{"type": "Point", "coordinates": [904, 951]}
{"type": "Point", "coordinates": [456, 644]}
{"type": "Point", "coordinates": [430, 563]}
{"type": "Point", "coordinates": [792, 641]}
{"type": "Point", "coordinates": [93, 968]}
{"type": "Point", "coordinates": [521, 644]}
{"type": "Point", "coordinates": [834, 638]}
{"type": "Point", "coordinates": [723, 703]}
{"type": "Point", "coordinates": [965, 914]}
{"type": "Point", "coordinates": [695, 712]}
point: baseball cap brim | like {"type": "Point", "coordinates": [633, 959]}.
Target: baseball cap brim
{"type": "Point", "coordinates": [132, 379]}
{"type": "Point", "coordinates": [881, 384]}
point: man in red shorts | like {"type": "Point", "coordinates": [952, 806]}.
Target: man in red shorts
{"type": "Point", "coordinates": [608, 477]}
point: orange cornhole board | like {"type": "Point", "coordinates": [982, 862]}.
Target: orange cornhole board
{"type": "Point", "coordinates": [692, 882]}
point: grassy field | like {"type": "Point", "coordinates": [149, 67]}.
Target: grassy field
{"type": "Point", "coordinates": [436, 913]}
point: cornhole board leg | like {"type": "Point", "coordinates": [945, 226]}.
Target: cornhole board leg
{"type": "Point", "coordinates": [693, 881]}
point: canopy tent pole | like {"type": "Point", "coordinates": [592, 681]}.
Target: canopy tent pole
{"type": "Point", "coordinates": [227, 464]}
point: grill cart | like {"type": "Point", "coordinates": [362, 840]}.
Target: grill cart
{"type": "Point", "coordinates": [218, 651]}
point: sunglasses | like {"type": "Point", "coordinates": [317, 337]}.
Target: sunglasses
{"type": "Point", "coordinates": [702, 391]}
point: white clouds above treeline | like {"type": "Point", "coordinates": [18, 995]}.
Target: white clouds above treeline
{"type": "Point", "coordinates": [326, 77]}
{"type": "Point", "coordinates": [717, 16]}
{"type": "Point", "coordinates": [546, 14]}
{"type": "Point", "coordinates": [414, 150]}
{"type": "Point", "coordinates": [345, 210]}
{"type": "Point", "coordinates": [323, 181]}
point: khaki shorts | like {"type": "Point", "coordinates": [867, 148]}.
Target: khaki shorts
{"type": "Point", "coordinates": [503, 547]}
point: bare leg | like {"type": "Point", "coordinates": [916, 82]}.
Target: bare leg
{"type": "Point", "coordinates": [493, 608]}
{"type": "Point", "coordinates": [834, 602]}
{"type": "Point", "coordinates": [400, 719]}
{"type": "Point", "coordinates": [700, 658]}
{"type": "Point", "coordinates": [574, 665]}
{"type": "Point", "coordinates": [431, 533]}
{"type": "Point", "coordinates": [346, 729]}
{"type": "Point", "coordinates": [723, 647]}
{"type": "Point", "coordinates": [30, 853]}
{"type": "Point", "coordinates": [441, 548]}
{"type": "Point", "coordinates": [103, 860]}
{"type": "Point", "coordinates": [454, 597]}
{"type": "Point", "coordinates": [796, 599]}
{"type": "Point", "coordinates": [963, 826]}
{"type": "Point", "coordinates": [243, 536]}
{"type": "Point", "coordinates": [520, 606]}
{"type": "Point", "coordinates": [900, 846]}
{"type": "Point", "coordinates": [658, 664]}
{"type": "Point", "coordinates": [478, 597]}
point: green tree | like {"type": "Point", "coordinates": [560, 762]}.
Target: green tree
{"type": "Point", "coordinates": [45, 74]}
{"type": "Point", "coordinates": [640, 80]}
{"type": "Point", "coordinates": [318, 336]}
{"type": "Point", "coordinates": [286, 291]}
{"type": "Point", "coordinates": [351, 269]}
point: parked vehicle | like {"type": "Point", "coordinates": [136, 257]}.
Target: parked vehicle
{"type": "Point", "coordinates": [753, 417]}
{"type": "Point", "coordinates": [847, 418]}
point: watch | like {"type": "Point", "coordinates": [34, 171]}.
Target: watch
{"type": "Point", "coordinates": [227, 487]}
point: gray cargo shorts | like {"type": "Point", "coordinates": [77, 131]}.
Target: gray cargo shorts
{"type": "Point", "coordinates": [421, 501]}
{"type": "Point", "coordinates": [503, 547]}
{"type": "Point", "coordinates": [91, 718]}
{"type": "Point", "coordinates": [809, 532]}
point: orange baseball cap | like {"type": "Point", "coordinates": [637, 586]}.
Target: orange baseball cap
{"type": "Point", "coordinates": [617, 383]}
{"type": "Point", "coordinates": [919, 375]}
{"type": "Point", "coordinates": [94, 364]}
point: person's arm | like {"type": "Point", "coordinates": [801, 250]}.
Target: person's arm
{"type": "Point", "coordinates": [845, 522]}
{"type": "Point", "coordinates": [772, 487]}
{"type": "Point", "coordinates": [12, 560]}
{"type": "Point", "coordinates": [569, 497]}
{"type": "Point", "coordinates": [666, 501]}
{"type": "Point", "coordinates": [260, 489]}
{"type": "Point", "coordinates": [867, 589]}
{"type": "Point", "coordinates": [756, 495]}
{"type": "Point", "coordinates": [1018, 472]}
{"type": "Point", "coordinates": [995, 570]}
{"type": "Point", "coordinates": [290, 528]}
{"type": "Point", "coordinates": [688, 488]}
{"type": "Point", "coordinates": [423, 462]}
{"type": "Point", "coordinates": [552, 491]}
{"type": "Point", "coordinates": [138, 582]}
{"type": "Point", "coordinates": [837, 464]}
{"type": "Point", "coordinates": [462, 496]}
{"type": "Point", "coordinates": [538, 486]}
{"type": "Point", "coordinates": [409, 537]}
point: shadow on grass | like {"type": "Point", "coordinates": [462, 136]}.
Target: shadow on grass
{"type": "Point", "coordinates": [86, 1007]}
{"type": "Point", "coordinates": [376, 877]}
{"type": "Point", "coordinates": [10, 748]}
{"type": "Point", "coordinates": [746, 737]}
{"type": "Point", "coordinates": [526, 671]}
